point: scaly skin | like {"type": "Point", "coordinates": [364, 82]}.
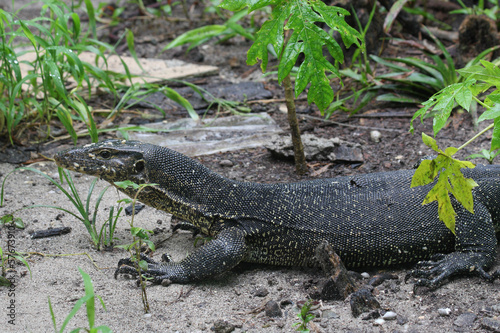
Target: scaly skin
{"type": "Point", "coordinates": [370, 220]}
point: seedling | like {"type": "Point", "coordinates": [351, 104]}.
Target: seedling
{"type": "Point", "coordinates": [89, 301]}
{"type": "Point", "coordinates": [140, 236]}
{"type": "Point", "coordinates": [5, 262]}
{"type": "Point", "coordinates": [99, 236]}
{"type": "Point", "coordinates": [486, 154]}
{"type": "Point", "coordinates": [304, 316]}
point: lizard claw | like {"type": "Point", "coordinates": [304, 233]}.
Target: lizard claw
{"type": "Point", "coordinates": [432, 273]}
{"type": "Point", "coordinates": [157, 273]}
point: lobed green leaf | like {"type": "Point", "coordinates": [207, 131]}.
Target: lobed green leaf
{"type": "Point", "coordinates": [451, 181]}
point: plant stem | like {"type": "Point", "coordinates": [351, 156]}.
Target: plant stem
{"type": "Point", "coordinates": [298, 148]}
{"type": "Point", "coordinates": [481, 102]}
{"type": "Point", "coordinates": [476, 136]}
{"type": "Point", "coordinates": [137, 248]}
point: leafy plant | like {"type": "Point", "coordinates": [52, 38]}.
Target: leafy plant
{"type": "Point", "coordinates": [57, 41]}
{"type": "Point", "coordinates": [89, 301]}
{"type": "Point", "coordinates": [102, 236]}
{"type": "Point", "coordinates": [304, 316]}
{"type": "Point", "coordinates": [479, 9]}
{"type": "Point", "coordinates": [203, 34]}
{"type": "Point", "coordinates": [486, 154]}
{"type": "Point", "coordinates": [410, 79]}
{"type": "Point", "coordinates": [140, 236]}
{"type": "Point", "coordinates": [14, 221]}
{"type": "Point", "coordinates": [290, 31]}
{"type": "Point", "coordinates": [5, 259]}
{"type": "Point", "coordinates": [476, 80]}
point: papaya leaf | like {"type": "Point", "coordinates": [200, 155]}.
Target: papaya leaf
{"type": "Point", "coordinates": [495, 138]}
{"type": "Point", "coordinates": [450, 181]}
{"type": "Point", "coordinates": [443, 102]}
{"type": "Point", "coordinates": [491, 113]}
{"type": "Point", "coordinates": [300, 18]}
{"type": "Point", "coordinates": [488, 73]}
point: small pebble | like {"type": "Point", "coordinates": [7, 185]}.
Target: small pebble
{"type": "Point", "coordinates": [273, 309]}
{"type": "Point", "coordinates": [365, 275]}
{"type": "Point", "coordinates": [261, 292]}
{"type": "Point", "coordinates": [491, 324]}
{"type": "Point", "coordinates": [375, 136]}
{"type": "Point", "coordinates": [378, 322]}
{"type": "Point", "coordinates": [226, 163]}
{"type": "Point", "coordinates": [329, 314]}
{"type": "Point", "coordinates": [390, 315]}
{"type": "Point", "coordinates": [444, 312]}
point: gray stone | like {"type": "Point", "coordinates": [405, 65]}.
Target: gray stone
{"type": "Point", "coordinates": [465, 320]}
{"type": "Point", "coordinates": [329, 314]}
{"type": "Point", "coordinates": [490, 324]}
{"type": "Point", "coordinates": [317, 149]}
{"type": "Point", "coordinates": [222, 326]}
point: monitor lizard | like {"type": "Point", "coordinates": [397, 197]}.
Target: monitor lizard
{"type": "Point", "coordinates": [370, 220]}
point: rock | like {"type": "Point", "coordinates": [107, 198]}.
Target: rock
{"type": "Point", "coordinates": [378, 322]}
{"type": "Point", "coordinates": [401, 320]}
{"type": "Point", "coordinates": [465, 320]}
{"type": "Point", "coordinates": [338, 285]}
{"type": "Point", "coordinates": [390, 315]}
{"type": "Point", "coordinates": [131, 209]}
{"type": "Point", "coordinates": [490, 324]}
{"type": "Point", "coordinates": [363, 301]}
{"type": "Point", "coordinates": [444, 312]}
{"type": "Point", "coordinates": [365, 275]}
{"type": "Point", "coordinates": [261, 292]}
{"type": "Point", "coordinates": [317, 149]}
{"type": "Point", "coordinates": [226, 163]}
{"type": "Point", "coordinates": [222, 326]}
{"type": "Point", "coordinates": [329, 314]}
{"type": "Point", "coordinates": [375, 136]}
{"type": "Point", "coordinates": [372, 315]}
{"type": "Point", "coordinates": [272, 309]}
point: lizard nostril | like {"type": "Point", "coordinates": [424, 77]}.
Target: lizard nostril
{"type": "Point", "coordinates": [139, 166]}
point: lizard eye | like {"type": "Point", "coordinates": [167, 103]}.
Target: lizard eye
{"type": "Point", "coordinates": [105, 154]}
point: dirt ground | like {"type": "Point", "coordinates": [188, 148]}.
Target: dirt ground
{"type": "Point", "coordinates": [239, 296]}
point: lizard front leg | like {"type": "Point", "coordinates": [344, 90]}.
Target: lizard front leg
{"type": "Point", "coordinates": [215, 257]}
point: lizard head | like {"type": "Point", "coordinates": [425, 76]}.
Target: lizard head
{"type": "Point", "coordinates": [111, 160]}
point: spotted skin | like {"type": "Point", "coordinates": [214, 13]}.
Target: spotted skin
{"type": "Point", "coordinates": [370, 220]}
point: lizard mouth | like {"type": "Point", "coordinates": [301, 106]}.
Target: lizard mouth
{"type": "Point", "coordinates": [67, 160]}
